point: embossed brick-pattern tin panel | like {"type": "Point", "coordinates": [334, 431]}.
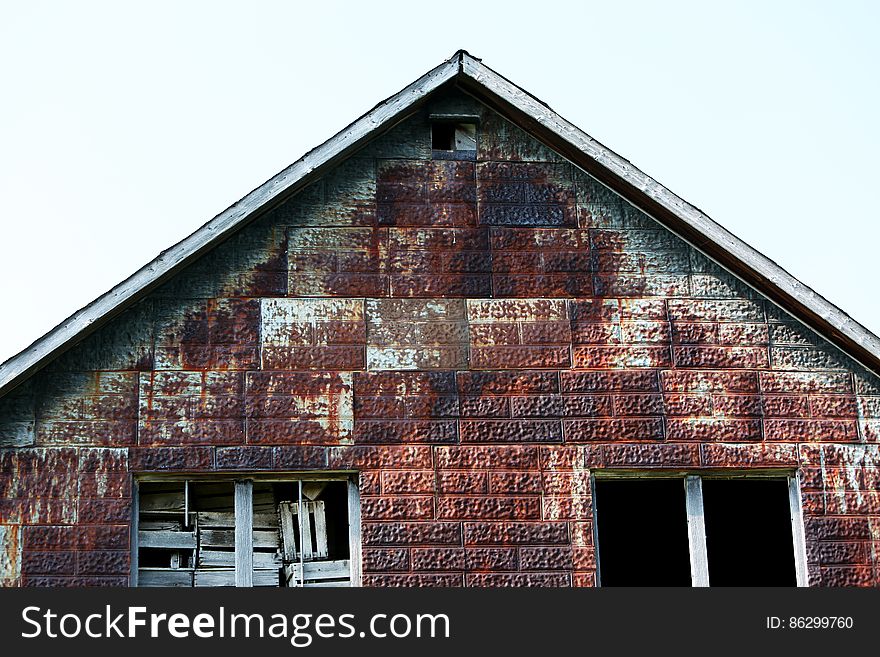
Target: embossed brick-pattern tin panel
{"type": "Point", "coordinates": [473, 338]}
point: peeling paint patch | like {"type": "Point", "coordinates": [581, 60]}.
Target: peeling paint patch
{"type": "Point", "coordinates": [312, 334]}
{"type": "Point", "coordinates": [10, 555]}
{"type": "Point", "coordinates": [415, 358]}
{"type": "Point", "coordinates": [519, 333]}
{"type": "Point", "coordinates": [299, 408]}
{"type": "Point", "coordinates": [413, 334]}
{"type": "Point", "coordinates": [292, 321]}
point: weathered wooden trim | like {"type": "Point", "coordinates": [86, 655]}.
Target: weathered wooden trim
{"type": "Point", "coordinates": [441, 117]}
{"type": "Point", "coordinates": [162, 577]}
{"type": "Point", "coordinates": [300, 526]}
{"type": "Point", "coordinates": [225, 538]}
{"type": "Point", "coordinates": [595, 529]}
{"type": "Point", "coordinates": [285, 511]}
{"type": "Point", "coordinates": [799, 540]}
{"type": "Point", "coordinates": [227, 559]}
{"type": "Point", "coordinates": [244, 533]}
{"type": "Point", "coordinates": [133, 531]}
{"type": "Point", "coordinates": [354, 531]}
{"type": "Point", "coordinates": [226, 577]}
{"type": "Point", "coordinates": [693, 484]}
{"type": "Point", "coordinates": [313, 571]}
{"type": "Point", "coordinates": [631, 473]}
{"type": "Point", "coordinates": [696, 521]}
{"type": "Point", "coordinates": [320, 547]}
{"type": "Point", "coordinates": [167, 539]}
{"type": "Point", "coordinates": [279, 476]}
{"type": "Point", "coordinates": [226, 520]}
{"type": "Point", "coordinates": [670, 210]}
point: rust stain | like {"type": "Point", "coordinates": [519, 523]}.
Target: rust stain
{"type": "Point", "coordinates": [430, 240]}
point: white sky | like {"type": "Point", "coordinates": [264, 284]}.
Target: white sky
{"type": "Point", "coordinates": [125, 127]}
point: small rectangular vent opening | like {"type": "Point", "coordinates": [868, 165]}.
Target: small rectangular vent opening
{"type": "Point", "coordinates": [443, 136]}
{"type": "Point", "coordinates": [451, 140]}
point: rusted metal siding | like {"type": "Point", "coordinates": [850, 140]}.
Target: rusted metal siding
{"type": "Point", "coordinates": [473, 337]}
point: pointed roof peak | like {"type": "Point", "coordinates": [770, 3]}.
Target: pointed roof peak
{"type": "Point", "coordinates": [534, 116]}
{"type": "Point", "coordinates": [461, 53]}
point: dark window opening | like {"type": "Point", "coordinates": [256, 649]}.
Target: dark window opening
{"type": "Point", "coordinates": [300, 530]}
{"type": "Point", "coordinates": [450, 140]}
{"type": "Point", "coordinates": [748, 533]}
{"type": "Point", "coordinates": [443, 136]}
{"type": "Point", "coordinates": [643, 537]}
{"type": "Point", "coordinates": [642, 527]}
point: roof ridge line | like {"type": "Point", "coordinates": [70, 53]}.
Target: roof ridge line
{"type": "Point", "coordinates": [537, 118]}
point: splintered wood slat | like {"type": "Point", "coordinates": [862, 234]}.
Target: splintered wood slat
{"type": "Point", "coordinates": [319, 573]}
{"type": "Point", "coordinates": [244, 533]}
{"type": "Point", "coordinates": [148, 577]}
{"type": "Point", "coordinates": [264, 501]}
{"type": "Point", "coordinates": [314, 516]}
{"type": "Point", "coordinates": [693, 486]}
{"type": "Point", "coordinates": [320, 547]}
{"type": "Point", "coordinates": [796, 512]}
{"type": "Point", "coordinates": [226, 520]}
{"type": "Point", "coordinates": [318, 570]}
{"type": "Point", "coordinates": [167, 539]}
{"type": "Point", "coordinates": [266, 520]}
{"type": "Point", "coordinates": [325, 585]}
{"type": "Point", "coordinates": [134, 550]}
{"type": "Point", "coordinates": [306, 533]}
{"type": "Point", "coordinates": [225, 538]}
{"type": "Point", "coordinates": [227, 577]}
{"type": "Point", "coordinates": [172, 501]}
{"type": "Point", "coordinates": [159, 525]}
{"type": "Point", "coordinates": [354, 531]}
{"type": "Point", "coordinates": [221, 558]}
{"type": "Point", "coordinates": [288, 531]}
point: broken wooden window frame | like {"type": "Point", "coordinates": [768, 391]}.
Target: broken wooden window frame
{"type": "Point", "coordinates": [243, 485]}
{"type": "Point", "coordinates": [463, 133]}
{"type": "Point", "coordinates": [693, 484]}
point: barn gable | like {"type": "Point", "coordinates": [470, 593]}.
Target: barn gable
{"type": "Point", "coordinates": [473, 331]}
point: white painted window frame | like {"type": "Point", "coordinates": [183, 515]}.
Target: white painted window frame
{"type": "Point", "coordinates": [696, 522]}
{"type": "Point", "coordinates": [243, 504]}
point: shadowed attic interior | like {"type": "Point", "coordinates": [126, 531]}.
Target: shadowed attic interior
{"type": "Point", "coordinates": [642, 532]}
{"type": "Point", "coordinates": [475, 333]}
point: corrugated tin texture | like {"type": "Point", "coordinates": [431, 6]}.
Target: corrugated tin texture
{"type": "Point", "coordinates": [473, 337]}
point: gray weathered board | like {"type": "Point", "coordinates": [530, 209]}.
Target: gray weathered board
{"type": "Point", "coordinates": [167, 539]}
{"type": "Point", "coordinates": [314, 522]}
{"type": "Point", "coordinates": [226, 558]}
{"type": "Point", "coordinates": [209, 538]}
{"type": "Point", "coordinates": [226, 577]}
{"type": "Point", "coordinates": [226, 520]}
{"type": "Point", "coordinates": [164, 577]}
{"type": "Point", "coordinates": [313, 572]}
